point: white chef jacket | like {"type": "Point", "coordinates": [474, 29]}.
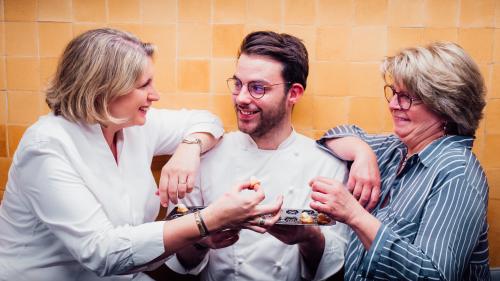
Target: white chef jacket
{"type": "Point", "coordinates": [70, 212]}
{"type": "Point", "coordinates": [284, 171]}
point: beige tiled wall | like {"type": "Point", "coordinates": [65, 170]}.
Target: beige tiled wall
{"type": "Point", "coordinates": [198, 39]}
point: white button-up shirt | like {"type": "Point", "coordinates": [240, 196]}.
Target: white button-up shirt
{"type": "Point", "coordinates": [70, 212]}
{"type": "Point", "coordinates": [285, 171]}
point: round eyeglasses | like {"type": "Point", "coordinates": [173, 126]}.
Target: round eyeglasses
{"type": "Point", "coordinates": [257, 89]}
{"type": "Point", "coordinates": [404, 100]}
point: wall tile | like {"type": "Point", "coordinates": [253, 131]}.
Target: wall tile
{"type": "Point", "coordinates": [48, 67]}
{"type": "Point", "coordinates": [226, 39]}
{"type": "Point", "coordinates": [194, 101]}
{"type": "Point", "coordinates": [440, 34]}
{"type": "Point", "coordinates": [492, 113]}
{"type": "Point", "coordinates": [365, 80]}
{"type": "Point", "coordinates": [495, 83]}
{"type": "Point", "coordinates": [20, 39]}
{"type": "Point", "coordinates": [193, 75]}
{"type": "Point", "coordinates": [492, 146]}
{"type": "Point", "coordinates": [194, 11]}
{"type": "Point", "coordinates": [307, 34]}
{"type": "Point", "coordinates": [23, 74]}
{"type": "Point", "coordinates": [270, 15]}
{"type": "Point", "coordinates": [23, 108]}
{"type": "Point", "coordinates": [493, 176]}
{"type": "Point", "coordinates": [134, 28]}
{"type": "Point", "coordinates": [367, 113]}
{"type": "Point", "coordinates": [3, 85]}
{"type": "Point", "coordinates": [301, 114]}
{"type": "Point", "coordinates": [14, 134]}
{"type": "Point", "coordinates": [249, 28]}
{"type": "Point", "coordinates": [79, 28]}
{"type": "Point", "coordinates": [496, 44]}
{"type": "Point", "coordinates": [165, 76]}
{"type": "Point", "coordinates": [224, 108]}
{"type": "Point", "coordinates": [478, 42]}
{"type": "Point", "coordinates": [475, 13]}
{"type": "Point", "coordinates": [89, 10]}
{"type": "Point", "coordinates": [4, 171]}
{"type": "Point", "coordinates": [3, 107]}
{"type": "Point", "coordinates": [44, 108]}
{"type": "Point", "coordinates": [399, 38]}
{"type": "Point", "coordinates": [330, 79]}
{"type": "Point", "coordinates": [230, 11]}
{"type": "Point", "coordinates": [406, 13]}
{"type": "Point", "coordinates": [3, 144]}
{"type": "Point", "coordinates": [53, 38]}
{"type": "Point", "coordinates": [370, 12]}
{"type": "Point", "coordinates": [497, 14]}
{"type": "Point", "coordinates": [55, 10]}
{"type": "Point", "coordinates": [441, 13]}
{"type": "Point", "coordinates": [194, 40]}
{"type": "Point", "coordinates": [300, 12]}
{"type": "Point", "coordinates": [494, 231]}
{"type": "Point", "coordinates": [333, 43]}
{"type": "Point", "coordinates": [2, 38]}
{"type": "Point", "coordinates": [375, 37]}
{"type": "Point", "coordinates": [159, 11]}
{"type": "Point", "coordinates": [20, 10]}
{"type": "Point", "coordinates": [2, 4]}
{"type": "Point", "coordinates": [163, 37]}
{"type": "Point", "coordinates": [221, 70]}
{"type": "Point", "coordinates": [335, 12]}
{"type": "Point", "coordinates": [328, 112]}
{"type": "Point", "coordinates": [124, 10]}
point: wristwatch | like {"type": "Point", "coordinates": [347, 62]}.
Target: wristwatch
{"type": "Point", "coordinates": [193, 140]}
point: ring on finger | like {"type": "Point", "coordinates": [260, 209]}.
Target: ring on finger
{"type": "Point", "coordinates": [182, 182]}
{"type": "Point", "coordinates": [261, 221]}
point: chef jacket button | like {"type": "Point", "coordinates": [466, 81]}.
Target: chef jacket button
{"type": "Point", "coordinates": [240, 261]}
{"type": "Point", "coordinates": [278, 266]}
{"type": "Point", "coordinates": [296, 154]}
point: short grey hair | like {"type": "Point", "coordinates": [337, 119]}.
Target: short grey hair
{"type": "Point", "coordinates": [96, 67]}
{"type": "Point", "coordinates": [447, 80]}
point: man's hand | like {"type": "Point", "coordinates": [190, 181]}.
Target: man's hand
{"type": "Point", "coordinates": [221, 239]}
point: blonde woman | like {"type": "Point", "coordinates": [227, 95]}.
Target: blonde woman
{"type": "Point", "coordinates": [80, 200]}
{"type": "Point", "coordinates": [430, 222]}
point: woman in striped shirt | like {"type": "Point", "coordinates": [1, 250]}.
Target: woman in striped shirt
{"type": "Point", "coordinates": [430, 222]}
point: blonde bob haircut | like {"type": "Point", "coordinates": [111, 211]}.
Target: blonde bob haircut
{"type": "Point", "coordinates": [96, 67]}
{"type": "Point", "coordinates": [447, 80]}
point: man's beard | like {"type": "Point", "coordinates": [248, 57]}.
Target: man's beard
{"type": "Point", "coordinates": [269, 120]}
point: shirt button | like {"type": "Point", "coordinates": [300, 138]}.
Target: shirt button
{"type": "Point", "coordinates": [278, 266]}
{"type": "Point", "coordinates": [240, 261]}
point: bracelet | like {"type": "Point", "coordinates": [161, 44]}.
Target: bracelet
{"type": "Point", "coordinates": [202, 227]}
{"type": "Point", "coordinates": [193, 140]}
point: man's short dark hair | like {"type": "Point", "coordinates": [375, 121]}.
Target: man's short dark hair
{"type": "Point", "coordinates": [282, 47]}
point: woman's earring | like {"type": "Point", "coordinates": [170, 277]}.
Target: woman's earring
{"type": "Point", "coordinates": [445, 123]}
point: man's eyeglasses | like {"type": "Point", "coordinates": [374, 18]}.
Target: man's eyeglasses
{"type": "Point", "coordinates": [404, 100]}
{"type": "Point", "coordinates": [256, 89]}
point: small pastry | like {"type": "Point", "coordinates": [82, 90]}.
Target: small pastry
{"type": "Point", "coordinates": [254, 182]}
{"type": "Point", "coordinates": [182, 209]}
{"type": "Point", "coordinates": [323, 219]}
{"type": "Point", "coordinates": [305, 218]}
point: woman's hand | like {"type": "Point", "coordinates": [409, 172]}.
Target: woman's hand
{"type": "Point", "coordinates": [236, 208]}
{"type": "Point", "coordinates": [178, 175]}
{"type": "Point", "coordinates": [332, 198]}
{"type": "Point", "coordinates": [364, 179]}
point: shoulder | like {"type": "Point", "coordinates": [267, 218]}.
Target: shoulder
{"type": "Point", "coordinates": [313, 152]}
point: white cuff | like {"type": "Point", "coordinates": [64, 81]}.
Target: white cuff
{"type": "Point", "coordinates": [147, 242]}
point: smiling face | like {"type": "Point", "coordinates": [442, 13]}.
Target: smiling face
{"type": "Point", "coordinates": [270, 113]}
{"type": "Point", "coordinates": [134, 105]}
{"type": "Point", "coordinates": [417, 126]}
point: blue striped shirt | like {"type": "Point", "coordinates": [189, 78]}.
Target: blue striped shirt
{"type": "Point", "coordinates": [434, 226]}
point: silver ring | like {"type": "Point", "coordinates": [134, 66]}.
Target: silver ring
{"type": "Point", "coordinates": [261, 221]}
{"type": "Point", "coordinates": [182, 182]}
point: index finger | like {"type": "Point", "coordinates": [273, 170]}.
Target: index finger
{"type": "Point", "coordinates": [162, 190]}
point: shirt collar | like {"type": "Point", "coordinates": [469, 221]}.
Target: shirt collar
{"type": "Point", "coordinates": [249, 143]}
{"type": "Point", "coordinates": [435, 148]}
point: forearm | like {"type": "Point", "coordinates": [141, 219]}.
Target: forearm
{"type": "Point", "coordinates": [207, 141]}
{"type": "Point", "coordinates": [366, 226]}
{"type": "Point", "coordinates": [311, 251]}
{"type": "Point", "coordinates": [348, 148]}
